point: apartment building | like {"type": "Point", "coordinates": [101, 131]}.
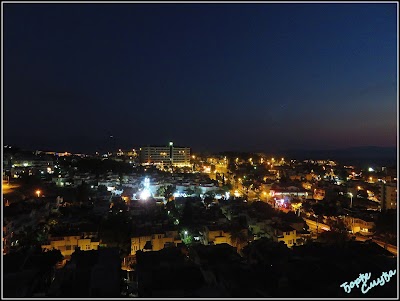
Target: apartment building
{"type": "Point", "coordinates": [214, 234]}
{"type": "Point", "coordinates": [388, 196]}
{"type": "Point", "coordinates": [154, 241]}
{"type": "Point", "coordinates": [283, 233]}
{"type": "Point", "coordinates": [364, 226]}
{"type": "Point", "coordinates": [67, 244]}
{"type": "Point", "coordinates": [165, 155]}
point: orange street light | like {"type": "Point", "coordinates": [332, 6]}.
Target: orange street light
{"type": "Point", "coordinates": [38, 193]}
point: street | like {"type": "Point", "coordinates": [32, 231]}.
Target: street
{"type": "Point", "coordinates": [8, 188]}
{"type": "Point", "coordinates": [322, 227]}
{"type": "Point", "coordinates": [391, 248]}
{"type": "Point", "coordinates": [313, 226]}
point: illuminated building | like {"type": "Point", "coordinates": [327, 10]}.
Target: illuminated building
{"type": "Point", "coordinates": [282, 233]}
{"type": "Point", "coordinates": [132, 153]}
{"type": "Point", "coordinates": [363, 226]}
{"type": "Point", "coordinates": [319, 194]}
{"type": "Point", "coordinates": [388, 196]}
{"type": "Point", "coordinates": [288, 191]}
{"type": "Point", "coordinates": [67, 244]}
{"type": "Point", "coordinates": [214, 234]}
{"type": "Point", "coordinates": [165, 155]}
{"type": "Point", "coordinates": [156, 241]}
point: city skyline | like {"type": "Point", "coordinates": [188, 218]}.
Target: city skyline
{"type": "Point", "coordinates": [251, 77]}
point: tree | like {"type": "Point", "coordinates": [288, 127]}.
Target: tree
{"type": "Point", "coordinates": [333, 237]}
{"type": "Point", "coordinates": [339, 226]}
{"type": "Point", "coordinates": [197, 191]}
{"type": "Point", "coordinates": [102, 189]}
{"type": "Point", "coordinates": [187, 215]}
{"type": "Point", "coordinates": [173, 211]}
{"type": "Point", "coordinates": [307, 206]}
{"type": "Point", "coordinates": [208, 200]}
{"type": "Point", "coordinates": [169, 191]}
{"type": "Point", "coordinates": [210, 194]}
{"type": "Point", "coordinates": [232, 166]}
{"type": "Point", "coordinates": [342, 174]}
{"type": "Point", "coordinates": [227, 187]}
{"type": "Point", "coordinates": [189, 191]}
{"type": "Point", "coordinates": [115, 232]}
{"type": "Point", "coordinates": [238, 236]}
{"type": "Point", "coordinates": [296, 205]}
{"type": "Point", "coordinates": [187, 239]}
{"type": "Point", "coordinates": [283, 179]}
{"type": "Point", "coordinates": [386, 226]}
{"type": "Point", "coordinates": [50, 258]}
{"type": "Point", "coordinates": [82, 192]}
{"type": "Point", "coordinates": [161, 190]}
{"type": "Point", "coordinates": [291, 217]}
{"type": "Point", "coordinates": [247, 184]}
{"type": "Point", "coordinates": [331, 210]}
{"type": "Point", "coordinates": [318, 209]}
{"type": "Point", "coordinates": [262, 210]}
{"type": "Point", "coordinates": [219, 190]}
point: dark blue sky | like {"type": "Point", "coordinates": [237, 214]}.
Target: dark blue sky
{"type": "Point", "coordinates": [209, 76]}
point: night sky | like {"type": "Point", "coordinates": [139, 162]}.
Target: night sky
{"type": "Point", "coordinates": [249, 77]}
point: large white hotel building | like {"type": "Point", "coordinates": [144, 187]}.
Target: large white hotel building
{"type": "Point", "coordinates": [165, 155]}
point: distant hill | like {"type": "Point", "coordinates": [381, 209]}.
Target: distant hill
{"type": "Point", "coordinates": [364, 155]}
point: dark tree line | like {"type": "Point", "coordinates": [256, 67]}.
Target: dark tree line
{"type": "Point", "coordinates": [99, 166]}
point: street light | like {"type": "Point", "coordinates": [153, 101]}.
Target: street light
{"type": "Point", "coordinates": [351, 199]}
{"type": "Point", "coordinates": [38, 193]}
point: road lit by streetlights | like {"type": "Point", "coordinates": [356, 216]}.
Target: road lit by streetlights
{"type": "Point", "coordinates": [8, 188]}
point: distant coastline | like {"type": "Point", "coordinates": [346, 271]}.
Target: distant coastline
{"type": "Point", "coordinates": [366, 155]}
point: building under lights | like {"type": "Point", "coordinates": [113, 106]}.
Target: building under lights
{"type": "Point", "coordinates": [169, 155]}
{"type": "Point", "coordinates": [388, 196]}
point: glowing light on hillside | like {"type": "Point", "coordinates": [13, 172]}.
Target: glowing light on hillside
{"type": "Point", "coordinates": [146, 183]}
{"type": "Point", "coordinates": [145, 194]}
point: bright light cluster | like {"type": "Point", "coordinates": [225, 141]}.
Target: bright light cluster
{"type": "Point", "coordinates": [145, 194]}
